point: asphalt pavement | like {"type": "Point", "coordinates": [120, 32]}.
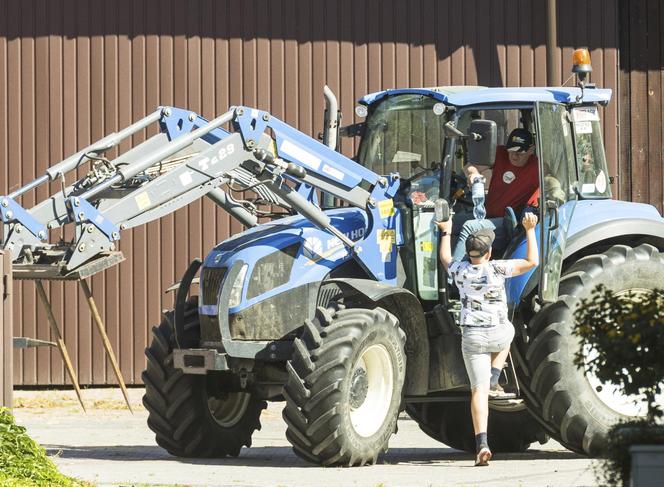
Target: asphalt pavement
{"type": "Point", "coordinates": [110, 446]}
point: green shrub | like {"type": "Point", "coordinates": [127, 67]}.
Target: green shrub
{"type": "Point", "coordinates": [626, 333]}
{"type": "Point", "coordinates": [626, 330]}
{"type": "Point", "coordinates": [22, 461]}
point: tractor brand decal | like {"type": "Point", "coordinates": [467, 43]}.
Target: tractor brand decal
{"type": "Point", "coordinates": [508, 177]}
{"type": "Point", "coordinates": [386, 208]}
{"type": "Point", "coordinates": [354, 235]}
{"type": "Point", "coordinates": [296, 153]}
{"type": "Point", "coordinates": [315, 250]}
{"type": "Point", "coordinates": [313, 247]}
{"type": "Point", "coordinates": [142, 200]}
{"type": "Point", "coordinates": [205, 162]}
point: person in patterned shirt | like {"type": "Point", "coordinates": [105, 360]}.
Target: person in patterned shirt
{"type": "Point", "coordinates": [487, 331]}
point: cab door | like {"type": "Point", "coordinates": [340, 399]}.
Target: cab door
{"type": "Point", "coordinates": [555, 151]}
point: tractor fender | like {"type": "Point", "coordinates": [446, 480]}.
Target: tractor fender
{"type": "Point", "coordinates": [637, 229]}
{"type": "Point", "coordinates": [407, 308]}
{"type": "Point", "coordinates": [594, 223]}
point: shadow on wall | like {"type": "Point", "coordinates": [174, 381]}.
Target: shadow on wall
{"type": "Point", "coordinates": [491, 31]}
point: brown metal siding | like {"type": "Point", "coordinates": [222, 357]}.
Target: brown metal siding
{"type": "Point", "coordinates": [642, 60]}
{"type": "Point", "coordinates": [72, 71]}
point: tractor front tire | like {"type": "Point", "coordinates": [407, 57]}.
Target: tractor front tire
{"type": "Point", "coordinates": [344, 388]}
{"type": "Point", "coordinates": [189, 414]}
{"type": "Point", "coordinates": [577, 414]}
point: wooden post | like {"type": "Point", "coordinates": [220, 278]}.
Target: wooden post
{"type": "Point", "coordinates": [59, 341]}
{"type": "Point", "coordinates": [104, 338]}
{"type": "Point", "coordinates": [6, 332]}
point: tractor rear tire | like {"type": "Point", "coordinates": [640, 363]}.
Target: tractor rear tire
{"type": "Point", "coordinates": [344, 388]}
{"type": "Point", "coordinates": [452, 424]}
{"type": "Point", "coordinates": [188, 413]}
{"type": "Point", "coordinates": [556, 390]}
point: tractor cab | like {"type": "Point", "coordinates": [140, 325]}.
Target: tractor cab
{"type": "Point", "coordinates": [429, 135]}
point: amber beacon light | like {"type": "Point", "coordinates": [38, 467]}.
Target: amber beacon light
{"type": "Point", "coordinates": [581, 63]}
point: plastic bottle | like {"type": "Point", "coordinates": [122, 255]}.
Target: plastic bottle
{"type": "Point", "coordinates": [441, 210]}
{"type": "Point", "coordinates": [477, 192]}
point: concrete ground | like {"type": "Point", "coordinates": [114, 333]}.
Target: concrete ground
{"type": "Point", "coordinates": [110, 446]}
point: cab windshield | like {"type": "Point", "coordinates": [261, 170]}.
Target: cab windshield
{"type": "Point", "coordinates": [590, 157]}
{"type": "Point", "coordinates": [404, 135]}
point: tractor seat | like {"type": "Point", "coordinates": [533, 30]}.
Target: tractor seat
{"type": "Point", "coordinates": [510, 222]}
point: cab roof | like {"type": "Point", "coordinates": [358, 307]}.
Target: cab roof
{"type": "Point", "coordinates": [475, 95]}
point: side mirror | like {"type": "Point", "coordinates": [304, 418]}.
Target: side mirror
{"type": "Point", "coordinates": [482, 142]}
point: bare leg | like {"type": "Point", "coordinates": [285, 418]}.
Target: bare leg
{"type": "Point", "coordinates": [498, 358]}
{"type": "Point", "coordinates": [479, 407]}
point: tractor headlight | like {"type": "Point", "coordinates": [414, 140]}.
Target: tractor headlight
{"type": "Point", "coordinates": [236, 290]}
{"type": "Point", "coordinates": [272, 271]}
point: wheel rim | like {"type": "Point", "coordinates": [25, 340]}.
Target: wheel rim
{"type": "Point", "coordinates": [228, 409]}
{"type": "Point", "coordinates": [614, 397]}
{"type": "Point", "coordinates": [370, 392]}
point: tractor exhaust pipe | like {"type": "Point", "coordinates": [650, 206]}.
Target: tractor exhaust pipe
{"type": "Point", "coordinates": [330, 119]}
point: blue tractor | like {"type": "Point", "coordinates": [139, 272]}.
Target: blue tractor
{"type": "Point", "coordinates": [338, 305]}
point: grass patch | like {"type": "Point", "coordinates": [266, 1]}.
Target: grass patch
{"type": "Point", "coordinates": [23, 462]}
{"type": "Point", "coordinates": [52, 402]}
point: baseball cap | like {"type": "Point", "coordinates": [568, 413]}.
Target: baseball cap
{"type": "Point", "coordinates": [480, 242]}
{"type": "Point", "coordinates": [520, 140]}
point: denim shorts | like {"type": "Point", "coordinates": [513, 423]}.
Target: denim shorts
{"type": "Point", "coordinates": [477, 345]}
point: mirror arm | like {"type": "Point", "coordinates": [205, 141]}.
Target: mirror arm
{"type": "Point", "coordinates": [453, 131]}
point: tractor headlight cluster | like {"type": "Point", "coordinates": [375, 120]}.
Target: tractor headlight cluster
{"type": "Point", "coordinates": [236, 291]}
{"type": "Point", "coordinates": [272, 271]}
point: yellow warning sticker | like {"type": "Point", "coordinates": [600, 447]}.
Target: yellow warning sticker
{"type": "Point", "coordinates": [386, 208]}
{"type": "Point", "coordinates": [386, 240]}
{"type": "Point", "coordinates": [426, 246]}
{"type": "Point", "coordinates": [143, 201]}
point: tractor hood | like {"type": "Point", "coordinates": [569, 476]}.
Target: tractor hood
{"type": "Point", "coordinates": [283, 255]}
{"type": "Point", "coordinates": [286, 231]}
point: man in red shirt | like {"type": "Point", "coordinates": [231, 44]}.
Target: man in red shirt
{"type": "Point", "coordinates": [513, 182]}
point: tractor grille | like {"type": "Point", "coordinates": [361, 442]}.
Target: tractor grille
{"type": "Point", "coordinates": [211, 282]}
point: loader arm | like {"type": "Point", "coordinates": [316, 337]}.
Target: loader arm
{"type": "Point", "coordinates": [190, 158]}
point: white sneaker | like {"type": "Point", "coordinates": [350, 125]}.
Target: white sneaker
{"type": "Point", "coordinates": [497, 392]}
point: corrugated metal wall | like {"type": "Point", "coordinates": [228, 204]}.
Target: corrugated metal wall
{"type": "Point", "coordinates": [641, 101]}
{"type": "Point", "coordinates": [72, 71]}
